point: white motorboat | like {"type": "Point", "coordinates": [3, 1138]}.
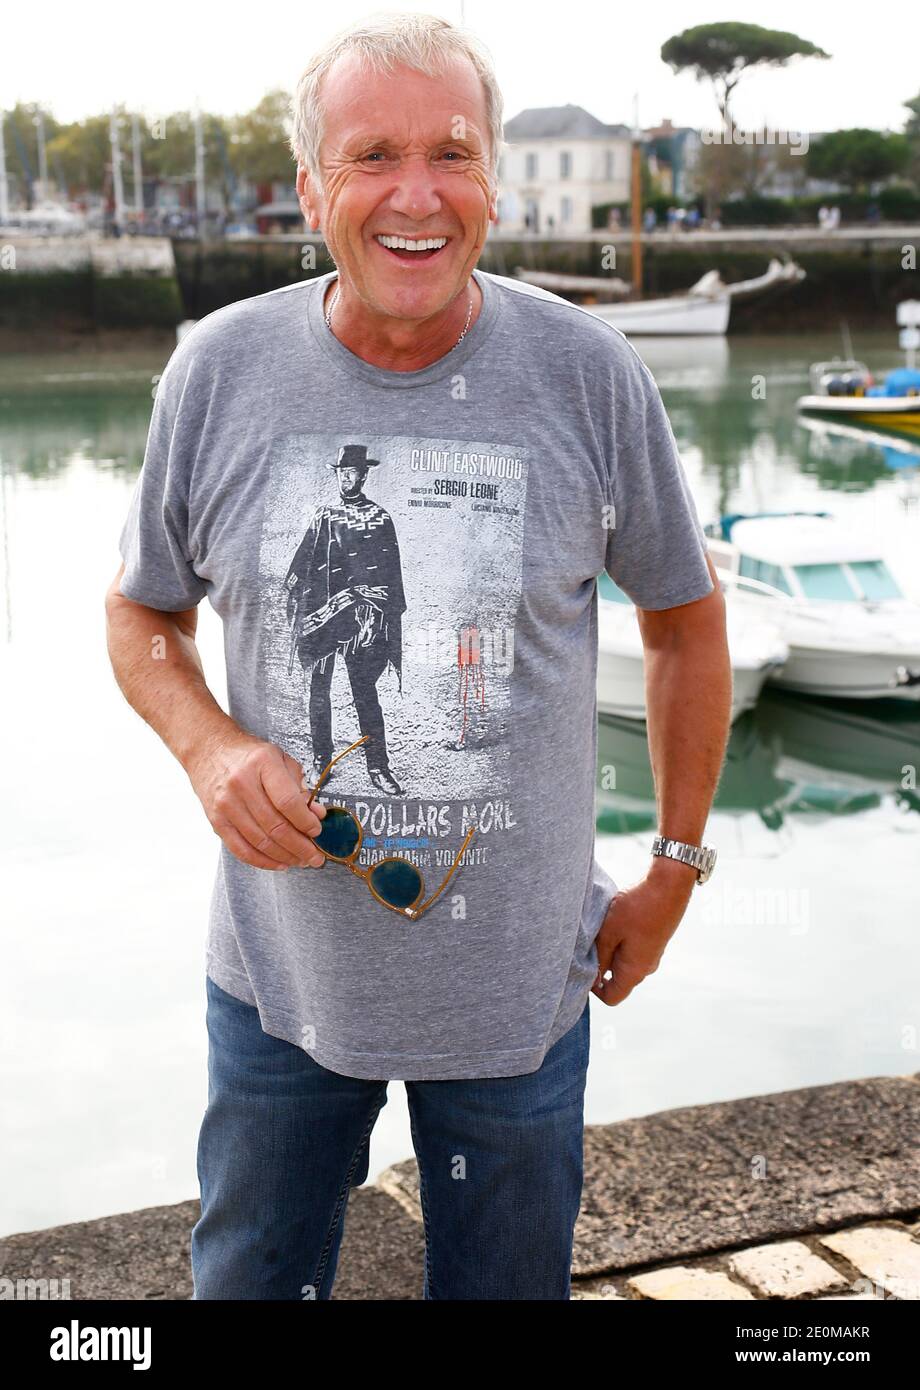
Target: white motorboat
{"type": "Point", "coordinates": [755, 647]}
{"type": "Point", "coordinates": [851, 631]}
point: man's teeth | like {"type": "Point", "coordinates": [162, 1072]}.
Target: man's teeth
{"type": "Point", "coordinates": [399, 243]}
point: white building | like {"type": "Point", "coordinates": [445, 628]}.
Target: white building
{"type": "Point", "coordinates": [559, 163]}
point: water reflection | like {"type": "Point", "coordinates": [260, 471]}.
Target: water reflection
{"type": "Point", "coordinates": [863, 454]}
{"type": "Point", "coordinates": [55, 411]}
{"type": "Point", "coordinates": [790, 756]}
{"type": "Point", "coordinates": [732, 405]}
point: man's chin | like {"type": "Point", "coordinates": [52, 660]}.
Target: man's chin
{"type": "Point", "coordinates": [412, 301]}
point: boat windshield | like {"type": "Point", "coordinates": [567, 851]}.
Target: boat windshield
{"type": "Point", "coordinates": [861, 579]}
{"type": "Point", "coordinates": [874, 579]}
{"type": "Point", "coordinates": [766, 573]}
{"type": "Point", "coordinates": [610, 591]}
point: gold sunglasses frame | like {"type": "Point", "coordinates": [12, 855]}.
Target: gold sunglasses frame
{"type": "Point", "coordinates": [415, 909]}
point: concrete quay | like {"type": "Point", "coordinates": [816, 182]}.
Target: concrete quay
{"type": "Point", "coordinates": [797, 1195]}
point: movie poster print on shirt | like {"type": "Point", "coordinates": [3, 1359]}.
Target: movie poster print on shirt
{"type": "Point", "coordinates": [390, 576]}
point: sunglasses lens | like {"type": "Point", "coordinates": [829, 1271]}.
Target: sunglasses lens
{"type": "Point", "coordinates": [396, 881]}
{"type": "Point", "coordinates": [339, 835]}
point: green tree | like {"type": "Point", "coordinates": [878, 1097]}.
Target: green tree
{"type": "Point", "coordinates": [912, 136]}
{"type": "Point", "coordinates": [168, 150]}
{"type": "Point", "coordinates": [724, 52]}
{"type": "Point", "coordinates": [258, 141]}
{"type": "Point", "coordinates": [83, 152]}
{"type": "Point", "coordinates": [21, 142]}
{"type": "Point", "coordinates": [169, 147]}
{"type": "Point", "coordinates": [858, 158]}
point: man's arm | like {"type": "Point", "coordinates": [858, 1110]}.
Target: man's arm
{"type": "Point", "coordinates": [688, 698]}
{"type": "Point", "coordinates": [688, 682]}
{"type": "Point", "coordinates": [250, 789]}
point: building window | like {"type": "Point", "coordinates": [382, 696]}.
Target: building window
{"type": "Point", "coordinates": [530, 166]}
{"type": "Point", "coordinates": [565, 164]}
{"type": "Point", "coordinates": [609, 165]}
{"type": "Point", "coordinates": [565, 210]}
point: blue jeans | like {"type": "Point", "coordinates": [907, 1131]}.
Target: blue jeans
{"type": "Point", "coordinates": [284, 1139]}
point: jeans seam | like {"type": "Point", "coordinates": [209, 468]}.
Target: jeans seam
{"type": "Point", "coordinates": [343, 1198]}
{"type": "Point", "coordinates": [423, 1196]}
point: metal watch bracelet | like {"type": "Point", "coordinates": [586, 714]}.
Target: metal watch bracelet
{"type": "Point", "coordinates": [699, 857]}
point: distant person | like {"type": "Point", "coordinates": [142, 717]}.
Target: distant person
{"type": "Point", "coordinates": [614, 220]}
{"type": "Point", "coordinates": [873, 214]}
{"type": "Point", "coordinates": [823, 213]}
{"type": "Point", "coordinates": [649, 220]}
{"type": "Point", "coordinates": [834, 219]}
{"type": "Point", "coordinates": [319, 992]}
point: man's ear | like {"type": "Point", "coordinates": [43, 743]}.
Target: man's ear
{"type": "Point", "coordinates": [306, 197]}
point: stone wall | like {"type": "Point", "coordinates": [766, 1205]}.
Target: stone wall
{"type": "Point", "coordinates": [88, 283]}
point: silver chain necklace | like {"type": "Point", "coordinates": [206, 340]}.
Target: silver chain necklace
{"type": "Point", "coordinates": [328, 318]}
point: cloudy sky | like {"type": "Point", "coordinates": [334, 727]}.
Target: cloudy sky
{"type": "Point", "coordinates": [162, 56]}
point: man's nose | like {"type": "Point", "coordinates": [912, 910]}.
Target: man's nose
{"type": "Point", "coordinates": [416, 193]}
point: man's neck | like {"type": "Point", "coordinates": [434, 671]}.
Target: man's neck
{"type": "Point", "coordinates": [407, 348]}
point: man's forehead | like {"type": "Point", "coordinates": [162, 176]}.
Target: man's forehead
{"type": "Point", "coordinates": [354, 95]}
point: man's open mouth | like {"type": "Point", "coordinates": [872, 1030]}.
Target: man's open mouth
{"type": "Point", "coordinates": [412, 248]}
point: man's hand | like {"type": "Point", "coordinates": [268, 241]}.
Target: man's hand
{"type": "Point", "coordinates": [253, 795]}
{"type": "Point", "coordinates": [640, 922]}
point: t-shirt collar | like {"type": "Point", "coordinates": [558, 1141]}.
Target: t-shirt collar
{"type": "Point", "coordinates": [445, 366]}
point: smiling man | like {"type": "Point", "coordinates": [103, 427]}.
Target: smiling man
{"type": "Point", "coordinates": [519, 449]}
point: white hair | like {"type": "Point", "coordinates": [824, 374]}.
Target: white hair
{"type": "Point", "coordinates": [384, 40]}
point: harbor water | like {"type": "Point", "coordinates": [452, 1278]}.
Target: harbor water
{"type": "Point", "coordinates": [796, 965]}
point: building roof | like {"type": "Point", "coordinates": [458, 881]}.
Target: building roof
{"type": "Point", "coordinates": [554, 122]}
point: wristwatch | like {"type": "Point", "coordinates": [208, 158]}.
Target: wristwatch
{"type": "Point", "coordinates": [699, 857]}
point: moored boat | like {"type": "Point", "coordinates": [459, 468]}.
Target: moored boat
{"type": "Point", "coordinates": [851, 631]}
{"type": "Point", "coordinates": [844, 389]}
{"type": "Point", "coordinates": [702, 310]}
{"type": "Point", "coordinates": [756, 650]}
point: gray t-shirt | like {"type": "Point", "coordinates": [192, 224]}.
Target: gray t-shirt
{"type": "Point", "coordinates": [449, 610]}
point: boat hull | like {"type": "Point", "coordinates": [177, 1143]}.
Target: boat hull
{"type": "Point", "coordinates": [846, 675]}
{"type": "Point", "coordinates": [621, 674]}
{"type": "Point", "coordinates": [678, 316]}
{"type": "Point", "coordinates": [900, 413]}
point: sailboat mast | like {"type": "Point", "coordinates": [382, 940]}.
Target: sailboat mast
{"type": "Point", "coordinates": [136, 167]}
{"type": "Point", "coordinates": [4, 184]}
{"type": "Point", "coordinates": [200, 193]}
{"type": "Point", "coordinates": [636, 197]}
{"type": "Point", "coordinates": [118, 190]}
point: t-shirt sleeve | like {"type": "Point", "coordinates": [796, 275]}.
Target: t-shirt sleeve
{"type": "Point", "coordinates": [154, 540]}
{"type": "Point", "coordinates": [656, 547]}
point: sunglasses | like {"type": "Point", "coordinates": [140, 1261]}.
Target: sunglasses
{"type": "Point", "coordinates": [394, 881]}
